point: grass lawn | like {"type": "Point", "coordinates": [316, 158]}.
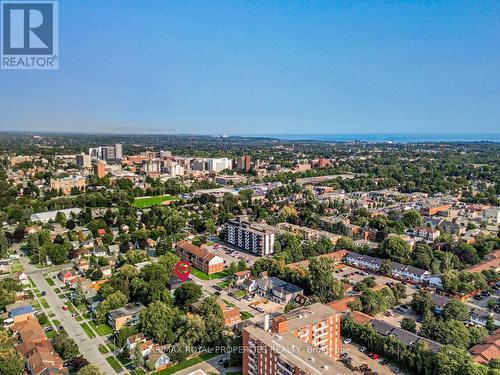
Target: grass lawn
{"type": "Point", "coordinates": [228, 304]}
{"type": "Point", "coordinates": [35, 305]}
{"type": "Point", "coordinates": [88, 330]}
{"type": "Point", "coordinates": [246, 315]}
{"type": "Point", "coordinates": [185, 364]}
{"type": "Point", "coordinates": [110, 345]}
{"type": "Point", "coordinates": [103, 349]}
{"type": "Point", "coordinates": [56, 322]}
{"type": "Point", "coordinates": [79, 318]}
{"type": "Point", "coordinates": [234, 373]}
{"type": "Point", "coordinates": [224, 284]}
{"type": "Point", "coordinates": [114, 363]}
{"type": "Point", "coordinates": [240, 293]}
{"type": "Point", "coordinates": [16, 267]}
{"type": "Point", "coordinates": [101, 329]}
{"type": "Point", "coordinates": [31, 282]}
{"type": "Point", "coordinates": [57, 290]}
{"type": "Point", "coordinates": [202, 275]}
{"type": "Point", "coordinates": [50, 281]}
{"type": "Point", "coordinates": [152, 201]}
{"type": "Point", "coordinates": [139, 371]}
{"type": "Point", "coordinates": [44, 303]}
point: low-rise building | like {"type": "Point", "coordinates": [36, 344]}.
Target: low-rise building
{"type": "Point", "coordinates": [126, 315]}
{"type": "Point", "coordinates": [199, 257]}
{"type": "Point", "coordinates": [277, 290]}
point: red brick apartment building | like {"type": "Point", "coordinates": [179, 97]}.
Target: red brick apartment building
{"type": "Point", "coordinates": [199, 258]}
{"type": "Point", "coordinates": [304, 341]}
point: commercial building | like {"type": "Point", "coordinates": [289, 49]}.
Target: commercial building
{"type": "Point", "coordinates": [111, 154]}
{"type": "Point", "coordinates": [45, 217]}
{"type": "Point", "coordinates": [199, 258]}
{"type": "Point", "coordinates": [212, 164]}
{"type": "Point", "coordinates": [253, 237]}
{"type": "Point", "coordinates": [304, 341]}
{"type": "Point", "coordinates": [67, 184]}
{"type": "Point", "coordinates": [125, 316]}
{"type": "Point", "coordinates": [83, 160]}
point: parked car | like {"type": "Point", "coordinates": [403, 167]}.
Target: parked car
{"type": "Point", "coordinates": [363, 349]}
{"type": "Point", "coordinates": [44, 293]}
{"type": "Point", "coordinates": [383, 362]}
{"type": "Point", "coordinates": [396, 370]}
{"type": "Point", "coordinates": [217, 293]}
{"type": "Point", "coordinates": [347, 341]}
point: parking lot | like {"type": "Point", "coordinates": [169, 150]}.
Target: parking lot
{"type": "Point", "coordinates": [355, 275]}
{"type": "Point", "coordinates": [231, 254]}
{"type": "Point", "coordinates": [358, 358]}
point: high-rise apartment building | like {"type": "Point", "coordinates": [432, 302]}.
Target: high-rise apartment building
{"type": "Point", "coordinates": [303, 341]}
{"type": "Point", "coordinates": [254, 237]}
{"type": "Point", "coordinates": [244, 163]}
{"type": "Point", "coordinates": [152, 166]}
{"type": "Point", "coordinates": [83, 160]}
{"type": "Point", "coordinates": [100, 169]}
{"type": "Point", "coordinates": [212, 164]}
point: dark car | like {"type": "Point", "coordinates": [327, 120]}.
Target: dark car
{"type": "Point", "coordinates": [384, 362]}
{"type": "Point", "coordinates": [44, 293]}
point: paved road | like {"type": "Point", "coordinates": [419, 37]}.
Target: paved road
{"type": "Point", "coordinates": [88, 347]}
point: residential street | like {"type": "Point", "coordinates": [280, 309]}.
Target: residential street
{"type": "Point", "coordinates": [88, 347]}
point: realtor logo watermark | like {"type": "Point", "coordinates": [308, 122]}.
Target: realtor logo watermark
{"type": "Point", "coordinates": [30, 35]}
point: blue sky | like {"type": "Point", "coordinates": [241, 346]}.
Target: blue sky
{"type": "Point", "coordinates": [257, 67]}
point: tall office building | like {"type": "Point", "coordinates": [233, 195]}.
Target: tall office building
{"type": "Point", "coordinates": [244, 163]}
{"type": "Point", "coordinates": [111, 154]}
{"type": "Point", "coordinates": [253, 237]}
{"type": "Point", "coordinates": [83, 160]}
{"type": "Point", "coordinates": [303, 341]}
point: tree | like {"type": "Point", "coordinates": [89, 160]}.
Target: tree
{"type": "Point", "coordinates": [399, 291]}
{"type": "Point", "coordinates": [43, 319]}
{"type": "Point", "coordinates": [123, 334]}
{"type": "Point", "coordinates": [409, 324]}
{"type": "Point", "coordinates": [242, 265]}
{"type": "Point", "coordinates": [412, 218]}
{"type": "Point", "coordinates": [386, 267]}
{"type": "Point", "coordinates": [422, 303]}
{"type": "Point", "coordinates": [4, 245]}
{"type": "Point", "coordinates": [186, 294]}
{"type": "Point", "coordinates": [160, 321]}
{"type": "Point", "coordinates": [455, 309]}
{"type": "Point", "coordinates": [11, 362]}
{"type": "Point", "coordinates": [490, 324]}
{"type": "Point", "coordinates": [396, 249]}
{"type": "Point", "coordinates": [232, 268]}
{"type": "Point", "coordinates": [213, 316]}
{"type": "Point", "coordinates": [290, 306]}
{"type": "Point", "coordinates": [66, 347]}
{"type": "Point", "coordinates": [137, 357]}
{"type": "Point", "coordinates": [90, 370]}
{"type": "Point", "coordinates": [322, 280]}
{"type": "Point", "coordinates": [163, 246]}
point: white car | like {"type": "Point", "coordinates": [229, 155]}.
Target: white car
{"type": "Point", "coordinates": [347, 341]}
{"type": "Point", "coordinates": [363, 349]}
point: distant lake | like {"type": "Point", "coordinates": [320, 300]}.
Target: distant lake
{"type": "Point", "coordinates": [376, 138]}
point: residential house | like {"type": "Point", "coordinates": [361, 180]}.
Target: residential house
{"type": "Point", "coordinates": [99, 251]}
{"type": "Point", "coordinates": [241, 276]}
{"type": "Point", "coordinates": [490, 349]}
{"type": "Point", "coordinates": [4, 266]}
{"type": "Point", "coordinates": [277, 290]}
{"type": "Point", "coordinates": [19, 312]}
{"type": "Point", "coordinates": [67, 275]}
{"type": "Point", "coordinates": [249, 285]}
{"type": "Point", "coordinates": [451, 227]}
{"type": "Point", "coordinates": [113, 249]}
{"type": "Point", "coordinates": [23, 278]}
{"type": "Point", "coordinates": [387, 329]}
{"type": "Point", "coordinates": [159, 359]}
{"type": "Point", "coordinates": [427, 233]}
